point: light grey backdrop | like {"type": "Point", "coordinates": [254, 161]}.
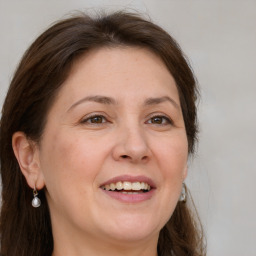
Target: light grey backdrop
{"type": "Point", "coordinates": [219, 37]}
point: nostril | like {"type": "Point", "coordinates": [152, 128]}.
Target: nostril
{"type": "Point", "coordinates": [144, 158]}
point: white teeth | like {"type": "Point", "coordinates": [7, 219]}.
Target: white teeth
{"type": "Point", "coordinates": [112, 186]}
{"type": "Point", "coordinates": [119, 185]}
{"type": "Point", "coordinates": [130, 193]}
{"type": "Point", "coordinates": [126, 185]}
{"type": "Point", "coordinates": [136, 186]}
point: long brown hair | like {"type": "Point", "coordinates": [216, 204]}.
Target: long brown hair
{"type": "Point", "coordinates": [44, 67]}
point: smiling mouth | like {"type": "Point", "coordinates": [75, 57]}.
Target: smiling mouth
{"type": "Point", "coordinates": [127, 187]}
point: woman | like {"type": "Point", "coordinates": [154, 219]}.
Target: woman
{"type": "Point", "coordinates": [96, 130]}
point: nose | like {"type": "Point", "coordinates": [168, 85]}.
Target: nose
{"type": "Point", "coordinates": [131, 146]}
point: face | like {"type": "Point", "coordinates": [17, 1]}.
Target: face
{"type": "Point", "coordinates": [114, 150]}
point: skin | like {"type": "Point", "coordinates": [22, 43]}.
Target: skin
{"type": "Point", "coordinates": [78, 153]}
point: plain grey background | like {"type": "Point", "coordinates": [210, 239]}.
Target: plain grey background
{"type": "Point", "coordinates": [219, 38]}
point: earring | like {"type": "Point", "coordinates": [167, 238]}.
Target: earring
{"type": "Point", "coordinates": [183, 195]}
{"type": "Point", "coordinates": [36, 202]}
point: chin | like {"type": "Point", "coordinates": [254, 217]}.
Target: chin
{"type": "Point", "coordinates": [133, 228]}
{"type": "Point", "coordinates": [131, 236]}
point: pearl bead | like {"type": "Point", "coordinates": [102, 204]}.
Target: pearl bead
{"type": "Point", "coordinates": [36, 202]}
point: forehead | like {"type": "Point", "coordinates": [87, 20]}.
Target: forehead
{"type": "Point", "coordinates": [118, 71]}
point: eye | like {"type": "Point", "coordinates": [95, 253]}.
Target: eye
{"type": "Point", "coordinates": [159, 120]}
{"type": "Point", "coordinates": [95, 119]}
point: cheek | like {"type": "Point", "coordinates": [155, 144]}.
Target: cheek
{"type": "Point", "coordinates": [172, 155]}
{"type": "Point", "coordinates": [70, 164]}
{"type": "Point", "coordinates": [172, 161]}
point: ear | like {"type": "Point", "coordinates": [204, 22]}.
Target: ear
{"type": "Point", "coordinates": [185, 173]}
{"type": "Point", "coordinates": [27, 154]}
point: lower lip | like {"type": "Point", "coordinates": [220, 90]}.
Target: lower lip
{"type": "Point", "coordinates": [130, 198]}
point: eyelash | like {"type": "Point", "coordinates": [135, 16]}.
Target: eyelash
{"type": "Point", "coordinates": [89, 119]}
{"type": "Point", "coordinates": [162, 117]}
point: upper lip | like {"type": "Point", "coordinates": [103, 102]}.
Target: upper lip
{"type": "Point", "coordinates": [130, 178]}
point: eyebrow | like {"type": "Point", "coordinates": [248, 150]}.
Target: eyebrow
{"type": "Point", "coordinates": [153, 101]}
{"type": "Point", "coordinates": [110, 101]}
{"type": "Point", "coordinates": [97, 98]}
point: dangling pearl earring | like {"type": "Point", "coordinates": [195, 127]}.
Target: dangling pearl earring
{"type": "Point", "coordinates": [36, 202]}
{"type": "Point", "coordinates": [183, 195]}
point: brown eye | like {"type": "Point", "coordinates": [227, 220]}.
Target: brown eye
{"type": "Point", "coordinates": [160, 120]}
{"type": "Point", "coordinates": [157, 120]}
{"type": "Point", "coordinates": [97, 119]}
